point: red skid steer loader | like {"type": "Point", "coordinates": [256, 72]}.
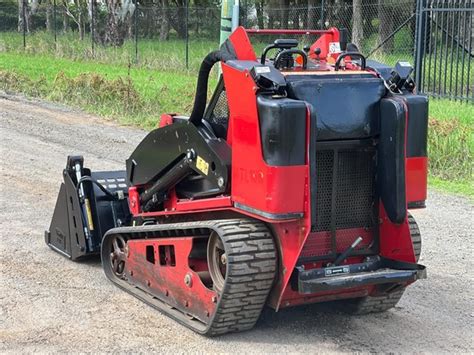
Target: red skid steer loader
{"type": "Point", "coordinates": [290, 186]}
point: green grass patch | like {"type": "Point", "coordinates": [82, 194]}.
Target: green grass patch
{"type": "Point", "coordinates": [131, 95]}
{"type": "Point", "coordinates": [451, 146]}
{"type": "Point", "coordinates": [462, 188]}
{"type": "Point", "coordinates": [451, 140]}
{"type": "Point", "coordinates": [151, 54]}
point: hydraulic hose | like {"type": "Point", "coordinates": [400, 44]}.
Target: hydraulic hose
{"type": "Point", "coordinates": [200, 99]}
{"type": "Point", "coordinates": [111, 195]}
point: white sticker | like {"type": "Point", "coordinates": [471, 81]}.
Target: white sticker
{"type": "Point", "coordinates": [261, 70]}
{"type": "Point", "coordinates": [334, 47]}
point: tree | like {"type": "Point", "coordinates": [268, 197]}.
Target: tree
{"type": "Point", "coordinates": [259, 7]}
{"type": "Point", "coordinates": [357, 23]}
{"type": "Point", "coordinates": [284, 12]}
{"type": "Point", "coordinates": [118, 13]}
{"type": "Point", "coordinates": [76, 10]}
{"type": "Point", "coordinates": [386, 25]}
{"type": "Point", "coordinates": [49, 17]}
{"type": "Point", "coordinates": [312, 15]}
{"type": "Point", "coordinates": [165, 20]}
{"type": "Point", "coordinates": [26, 9]}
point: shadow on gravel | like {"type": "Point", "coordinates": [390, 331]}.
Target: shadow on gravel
{"type": "Point", "coordinates": [93, 261]}
{"type": "Point", "coordinates": [319, 323]}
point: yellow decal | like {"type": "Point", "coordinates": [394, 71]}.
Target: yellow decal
{"type": "Point", "coordinates": [89, 215]}
{"type": "Point", "coordinates": [202, 165]}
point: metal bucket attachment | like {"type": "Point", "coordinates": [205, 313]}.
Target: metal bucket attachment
{"type": "Point", "coordinates": [88, 205]}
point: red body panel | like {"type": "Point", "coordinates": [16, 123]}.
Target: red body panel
{"type": "Point", "coordinates": [416, 178]}
{"type": "Point", "coordinates": [255, 184]}
{"type": "Point", "coordinates": [165, 276]}
{"type": "Point", "coordinates": [395, 240]}
{"type": "Point", "coordinates": [324, 44]}
{"type": "Point", "coordinates": [241, 43]}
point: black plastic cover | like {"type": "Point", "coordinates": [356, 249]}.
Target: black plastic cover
{"type": "Point", "coordinates": [163, 147]}
{"type": "Point", "coordinates": [391, 159]}
{"type": "Point", "coordinates": [384, 70]}
{"type": "Point", "coordinates": [267, 77]}
{"type": "Point", "coordinates": [346, 107]}
{"type": "Point", "coordinates": [282, 130]}
{"type": "Point", "coordinates": [417, 130]}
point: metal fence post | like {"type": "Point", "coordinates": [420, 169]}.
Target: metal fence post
{"type": "Point", "coordinates": [418, 52]}
{"type": "Point", "coordinates": [54, 22]}
{"type": "Point", "coordinates": [187, 35]}
{"type": "Point", "coordinates": [136, 31]}
{"type": "Point", "coordinates": [93, 27]}
{"type": "Point", "coordinates": [245, 14]}
{"type": "Point", "coordinates": [23, 13]}
{"type": "Point", "coordinates": [322, 14]}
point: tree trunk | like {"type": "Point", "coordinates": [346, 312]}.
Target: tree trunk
{"type": "Point", "coordinates": [179, 23]}
{"type": "Point", "coordinates": [24, 16]}
{"type": "Point", "coordinates": [80, 26]}
{"type": "Point", "coordinates": [285, 4]}
{"type": "Point", "coordinates": [20, 16]}
{"type": "Point", "coordinates": [165, 22]}
{"type": "Point", "coordinates": [65, 21]}
{"type": "Point", "coordinates": [357, 24]}
{"type": "Point", "coordinates": [271, 19]}
{"type": "Point", "coordinates": [49, 17]}
{"type": "Point", "coordinates": [312, 22]}
{"type": "Point", "coordinates": [259, 8]}
{"type": "Point", "coordinates": [296, 20]}
{"type": "Point", "coordinates": [386, 26]}
{"type": "Point", "coordinates": [115, 29]}
{"type": "Point", "coordinates": [93, 21]}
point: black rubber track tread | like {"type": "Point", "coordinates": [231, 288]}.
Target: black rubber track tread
{"type": "Point", "coordinates": [415, 236]}
{"type": "Point", "coordinates": [376, 304]}
{"type": "Point", "coordinates": [251, 270]}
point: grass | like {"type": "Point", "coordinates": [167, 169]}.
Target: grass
{"type": "Point", "coordinates": [131, 95]}
{"type": "Point", "coordinates": [451, 146]}
{"type": "Point", "coordinates": [111, 85]}
{"type": "Point", "coordinates": [457, 187]}
{"type": "Point", "coordinates": [152, 54]}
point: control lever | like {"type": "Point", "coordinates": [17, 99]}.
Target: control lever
{"type": "Point", "coordinates": [344, 255]}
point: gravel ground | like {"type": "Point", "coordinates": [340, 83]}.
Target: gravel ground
{"type": "Point", "coordinates": [50, 304]}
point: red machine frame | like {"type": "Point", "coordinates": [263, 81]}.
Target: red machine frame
{"type": "Point", "coordinates": [279, 195]}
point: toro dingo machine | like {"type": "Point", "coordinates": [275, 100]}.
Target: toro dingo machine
{"type": "Point", "coordinates": [290, 186]}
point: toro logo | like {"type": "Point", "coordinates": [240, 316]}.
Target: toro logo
{"type": "Point", "coordinates": [250, 175]}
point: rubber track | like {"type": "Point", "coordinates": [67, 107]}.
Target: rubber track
{"type": "Point", "coordinates": [251, 270]}
{"type": "Point", "coordinates": [376, 304]}
{"type": "Point", "coordinates": [415, 236]}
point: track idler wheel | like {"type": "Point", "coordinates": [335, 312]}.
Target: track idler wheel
{"type": "Point", "coordinates": [118, 255]}
{"type": "Point", "coordinates": [216, 261]}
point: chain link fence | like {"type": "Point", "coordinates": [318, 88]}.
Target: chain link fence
{"type": "Point", "coordinates": [143, 29]}
{"type": "Point", "coordinates": [161, 36]}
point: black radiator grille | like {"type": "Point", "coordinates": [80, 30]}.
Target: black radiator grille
{"type": "Point", "coordinates": [344, 188]}
{"type": "Point", "coordinates": [324, 177]}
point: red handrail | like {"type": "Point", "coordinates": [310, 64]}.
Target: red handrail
{"type": "Point", "coordinates": [287, 32]}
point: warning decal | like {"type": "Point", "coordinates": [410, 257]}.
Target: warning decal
{"type": "Point", "coordinates": [202, 165]}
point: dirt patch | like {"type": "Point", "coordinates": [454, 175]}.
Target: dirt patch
{"type": "Point", "coordinates": [51, 304]}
